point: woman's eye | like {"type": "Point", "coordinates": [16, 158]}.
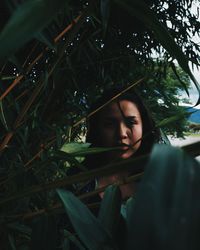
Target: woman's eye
{"type": "Point", "coordinates": [130, 123]}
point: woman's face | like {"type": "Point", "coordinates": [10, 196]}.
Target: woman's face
{"type": "Point", "coordinates": [120, 125]}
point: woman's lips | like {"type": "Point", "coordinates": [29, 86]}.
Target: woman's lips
{"type": "Point", "coordinates": [124, 146]}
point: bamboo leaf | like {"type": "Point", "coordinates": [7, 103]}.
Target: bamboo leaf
{"type": "Point", "coordinates": [46, 39]}
{"type": "Point", "coordinates": [139, 165]}
{"type": "Point", "coordinates": [140, 10]}
{"type": "Point", "coordinates": [86, 225]}
{"type": "Point", "coordinates": [177, 75]}
{"type": "Point", "coordinates": [105, 12]}
{"type": "Point", "coordinates": [28, 20]}
{"type": "Point", "coordinates": [20, 228]}
{"type": "Point", "coordinates": [164, 137]}
{"type": "Point", "coordinates": [129, 212]}
{"type": "Point", "coordinates": [2, 116]}
{"type": "Point", "coordinates": [83, 149]}
{"type": "Point", "coordinates": [73, 238]}
{"type": "Point", "coordinates": [174, 118]}
{"type": "Point", "coordinates": [60, 155]}
{"type": "Point", "coordinates": [167, 205]}
{"type": "Point", "coordinates": [74, 147]}
{"type": "Point", "coordinates": [12, 242]}
{"type": "Point", "coordinates": [109, 213]}
{"type": "Point", "coordinates": [89, 151]}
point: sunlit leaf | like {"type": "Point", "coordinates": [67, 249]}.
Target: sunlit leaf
{"type": "Point", "coordinates": [74, 147]}
{"type": "Point", "coordinates": [83, 149]}
{"type": "Point", "coordinates": [60, 155]}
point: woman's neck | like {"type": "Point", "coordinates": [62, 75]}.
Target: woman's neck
{"type": "Point", "coordinates": [127, 189]}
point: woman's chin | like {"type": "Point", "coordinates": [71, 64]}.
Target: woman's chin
{"type": "Point", "coordinates": [125, 155]}
{"type": "Point", "coordinates": [120, 156]}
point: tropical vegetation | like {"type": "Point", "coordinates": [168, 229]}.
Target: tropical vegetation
{"type": "Point", "coordinates": [56, 58]}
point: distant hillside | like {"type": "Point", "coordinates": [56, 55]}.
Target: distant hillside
{"type": "Point", "coordinates": [195, 117]}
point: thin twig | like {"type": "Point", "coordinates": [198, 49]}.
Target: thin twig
{"type": "Point", "coordinates": [81, 177]}
{"type": "Point", "coordinates": [105, 104]}
{"type": "Point", "coordinates": [20, 77]}
{"type": "Point", "coordinates": [29, 55]}
{"type": "Point", "coordinates": [38, 88]}
{"type": "Point", "coordinates": [57, 206]}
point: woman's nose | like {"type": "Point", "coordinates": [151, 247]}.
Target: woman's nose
{"type": "Point", "coordinates": [122, 131]}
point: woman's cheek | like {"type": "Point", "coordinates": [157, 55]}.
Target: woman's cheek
{"type": "Point", "coordinates": [137, 133]}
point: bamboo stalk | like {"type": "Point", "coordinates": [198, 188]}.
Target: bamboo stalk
{"type": "Point", "coordinates": [105, 104]}
{"type": "Point", "coordinates": [109, 169]}
{"type": "Point", "coordinates": [57, 206]}
{"type": "Point", "coordinates": [28, 104]}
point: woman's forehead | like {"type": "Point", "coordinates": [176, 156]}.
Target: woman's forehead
{"type": "Point", "coordinates": [125, 107]}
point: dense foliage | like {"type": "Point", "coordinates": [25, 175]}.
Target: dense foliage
{"type": "Point", "coordinates": [56, 58]}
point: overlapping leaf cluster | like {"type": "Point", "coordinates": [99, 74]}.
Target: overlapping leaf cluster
{"type": "Point", "coordinates": [56, 57]}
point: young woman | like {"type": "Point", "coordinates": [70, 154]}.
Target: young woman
{"type": "Point", "coordinates": [124, 123]}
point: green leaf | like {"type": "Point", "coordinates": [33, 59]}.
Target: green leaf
{"type": "Point", "coordinates": [129, 212]}
{"type": "Point", "coordinates": [73, 238]}
{"type": "Point", "coordinates": [26, 22]}
{"type": "Point", "coordinates": [89, 151]}
{"type": "Point", "coordinates": [66, 244]}
{"type": "Point", "coordinates": [12, 242]}
{"type": "Point", "coordinates": [174, 118]}
{"type": "Point", "coordinates": [20, 228]}
{"type": "Point", "coordinates": [2, 116]}
{"type": "Point", "coordinates": [85, 224]}
{"type": "Point", "coordinates": [109, 213]}
{"type": "Point", "coordinates": [105, 12]}
{"type": "Point", "coordinates": [60, 155]}
{"type": "Point", "coordinates": [17, 63]}
{"type": "Point", "coordinates": [74, 147]}
{"type": "Point", "coordinates": [166, 214]}
{"type": "Point", "coordinates": [164, 137]}
{"type": "Point", "coordinates": [83, 149]}
{"type": "Point", "coordinates": [138, 162]}
{"type": "Point", "coordinates": [45, 38]}
{"type": "Point", "coordinates": [177, 75]}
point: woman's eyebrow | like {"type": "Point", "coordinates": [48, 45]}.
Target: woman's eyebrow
{"type": "Point", "coordinates": [131, 116]}
{"type": "Point", "coordinates": [110, 117]}
{"type": "Point", "coordinates": [124, 115]}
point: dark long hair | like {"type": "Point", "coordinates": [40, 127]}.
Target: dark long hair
{"type": "Point", "coordinates": [150, 133]}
